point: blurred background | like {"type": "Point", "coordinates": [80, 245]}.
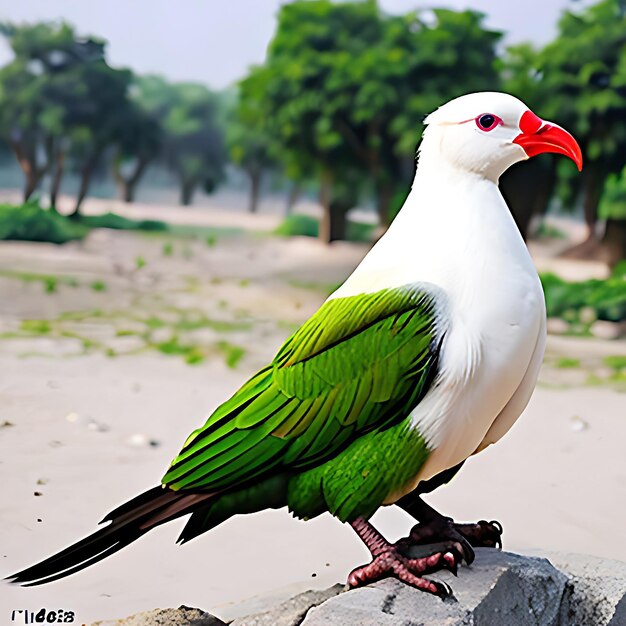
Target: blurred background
{"type": "Point", "coordinates": [182, 185]}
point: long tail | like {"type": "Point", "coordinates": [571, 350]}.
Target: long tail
{"type": "Point", "coordinates": [128, 522]}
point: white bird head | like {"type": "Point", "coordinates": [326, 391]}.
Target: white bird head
{"type": "Point", "coordinates": [487, 132]}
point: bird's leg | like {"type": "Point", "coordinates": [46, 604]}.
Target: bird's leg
{"type": "Point", "coordinates": [388, 561]}
{"type": "Point", "coordinates": [434, 527]}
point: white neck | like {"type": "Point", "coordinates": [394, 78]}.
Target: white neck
{"type": "Point", "coordinates": [454, 231]}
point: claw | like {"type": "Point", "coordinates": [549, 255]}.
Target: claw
{"type": "Point", "coordinates": [451, 562]}
{"type": "Point", "coordinates": [445, 592]}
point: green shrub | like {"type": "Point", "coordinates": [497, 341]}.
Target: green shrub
{"type": "Point", "coordinates": [29, 222]}
{"type": "Point", "coordinates": [118, 222]}
{"type": "Point", "coordinates": [298, 225]}
{"type": "Point", "coordinates": [606, 297]}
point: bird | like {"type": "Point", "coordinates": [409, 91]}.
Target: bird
{"type": "Point", "coordinates": [424, 356]}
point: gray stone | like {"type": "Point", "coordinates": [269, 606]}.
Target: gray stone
{"type": "Point", "coordinates": [498, 589]}
{"type": "Point", "coordinates": [182, 616]}
{"type": "Point", "coordinates": [595, 592]}
{"type": "Point", "coordinates": [292, 612]}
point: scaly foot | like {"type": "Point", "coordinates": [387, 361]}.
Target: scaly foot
{"type": "Point", "coordinates": [481, 534]}
{"type": "Point", "coordinates": [388, 561]}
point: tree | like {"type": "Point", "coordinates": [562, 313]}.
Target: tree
{"type": "Point", "coordinates": [98, 120]}
{"type": "Point", "coordinates": [584, 72]}
{"type": "Point", "coordinates": [139, 142]}
{"type": "Point", "coordinates": [59, 97]}
{"type": "Point", "coordinates": [249, 142]}
{"type": "Point", "coordinates": [35, 94]}
{"type": "Point", "coordinates": [191, 119]}
{"type": "Point", "coordinates": [345, 87]}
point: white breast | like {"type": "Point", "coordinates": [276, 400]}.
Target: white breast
{"type": "Point", "coordinates": [462, 239]}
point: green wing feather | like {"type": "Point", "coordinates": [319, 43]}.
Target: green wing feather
{"type": "Point", "coordinates": [359, 365]}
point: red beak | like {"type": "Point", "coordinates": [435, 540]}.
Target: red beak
{"type": "Point", "coordinates": [538, 137]}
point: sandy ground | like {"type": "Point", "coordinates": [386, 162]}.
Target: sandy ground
{"type": "Point", "coordinates": [113, 350]}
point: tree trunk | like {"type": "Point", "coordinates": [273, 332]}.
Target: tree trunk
{"type": "Point", "coordinates": [55, 186]}
{"type": "Point", "coordinates": [188, 187]}
{"type": "Point", "coordinates": [614, 241]}
{"type": "Point", "coordinates": [527, 189]}
{"type": "Point", "coordinates": [384, 193]}
{"type": "Point", "coordinates": [292, 198]}
{"type": "Point", "coordinates": [26, 161]}
{"type": "Point", "coordinates": [85, 181]}
{"type": "Point", "coordinates": [591, 247]}
{"type": "Point", "coordinates": [255, 189]}
{"type": "Point", "coordinates": [31, 184]}
{"type": "Point", "coordinates": [128, 186]}
{"type": "Point", "coordinates": [592, 190]}
{"type": "Point", "coordinates": [324, 198]}
{"type": "Point", "coordinates": [333, 223]}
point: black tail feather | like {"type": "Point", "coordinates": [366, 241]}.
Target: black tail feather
{"type": "Point", "coordinates": [128, 522]}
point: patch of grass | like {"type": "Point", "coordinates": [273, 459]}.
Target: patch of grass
{"type": "Point", "coordinates": [209, 234]}
{"type": "Point", "coordinates": [545, 230]}
{"type": "Point", "coordinates": [189, 320]}
{"type": "Point", "coordinates": [29, 222]}
{"type": "Point", "coordinates": [567, 363]}
{"type": "Point", "coordinates": [168, 249]}
{"type": "Point", "coordinates": [306, 226]}
{"type": "Point", "coordinates": [173, 346]}
{"type": "Point", "coordinates": [124, 332]}
{"type": "Point", "coordinates": [79, 316]}
{"type": "Point", "coordinates": [154, 322]}
{"type": "Point", "coordinates": [49, 282]}
{"type": "Point", "coordinates": [36, 327]}
{"type": "Point", "coordinates": [233, 353]}
{"type": "Point", "coordinates": [616, 362]}
{"type": "Point", "coordinates": [118, 222]}
{"type": "Point", "coordinates": [220, 326]}
{"type": "Point", "coordinates": [194, 357]}
{"type": "Point", "coordinates": [244, 282]}
{"type": "Point", "coordinates": [191, 354]}
{"type": "Point", "coordinates": [98, 285]}
{"type": "Point", "coordinates": [325, 288]}
{"type": "Point", "coordinates": [140, 262]}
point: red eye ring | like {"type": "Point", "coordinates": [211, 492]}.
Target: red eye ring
{"type": "Point", "coordinates": [487, 121]}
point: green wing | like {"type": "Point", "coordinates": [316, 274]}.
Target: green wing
{"type": "Point", "coordinates": [360, 364]}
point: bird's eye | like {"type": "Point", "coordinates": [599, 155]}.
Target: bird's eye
{"type": "Point", "coordinates": [487, 121]}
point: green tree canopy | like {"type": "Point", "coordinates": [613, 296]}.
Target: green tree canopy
{"type": "Point", "coordinates": [345, 88]}
{"type": "Point", "coordinates": [584, 74]}
{"type": "Point", "coordinates": [59, 95]}
{"type": "Point", "coordinates": [193, 144]}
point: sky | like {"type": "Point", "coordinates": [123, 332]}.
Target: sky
{"type": "Point", "coordinates": [215, 41]}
